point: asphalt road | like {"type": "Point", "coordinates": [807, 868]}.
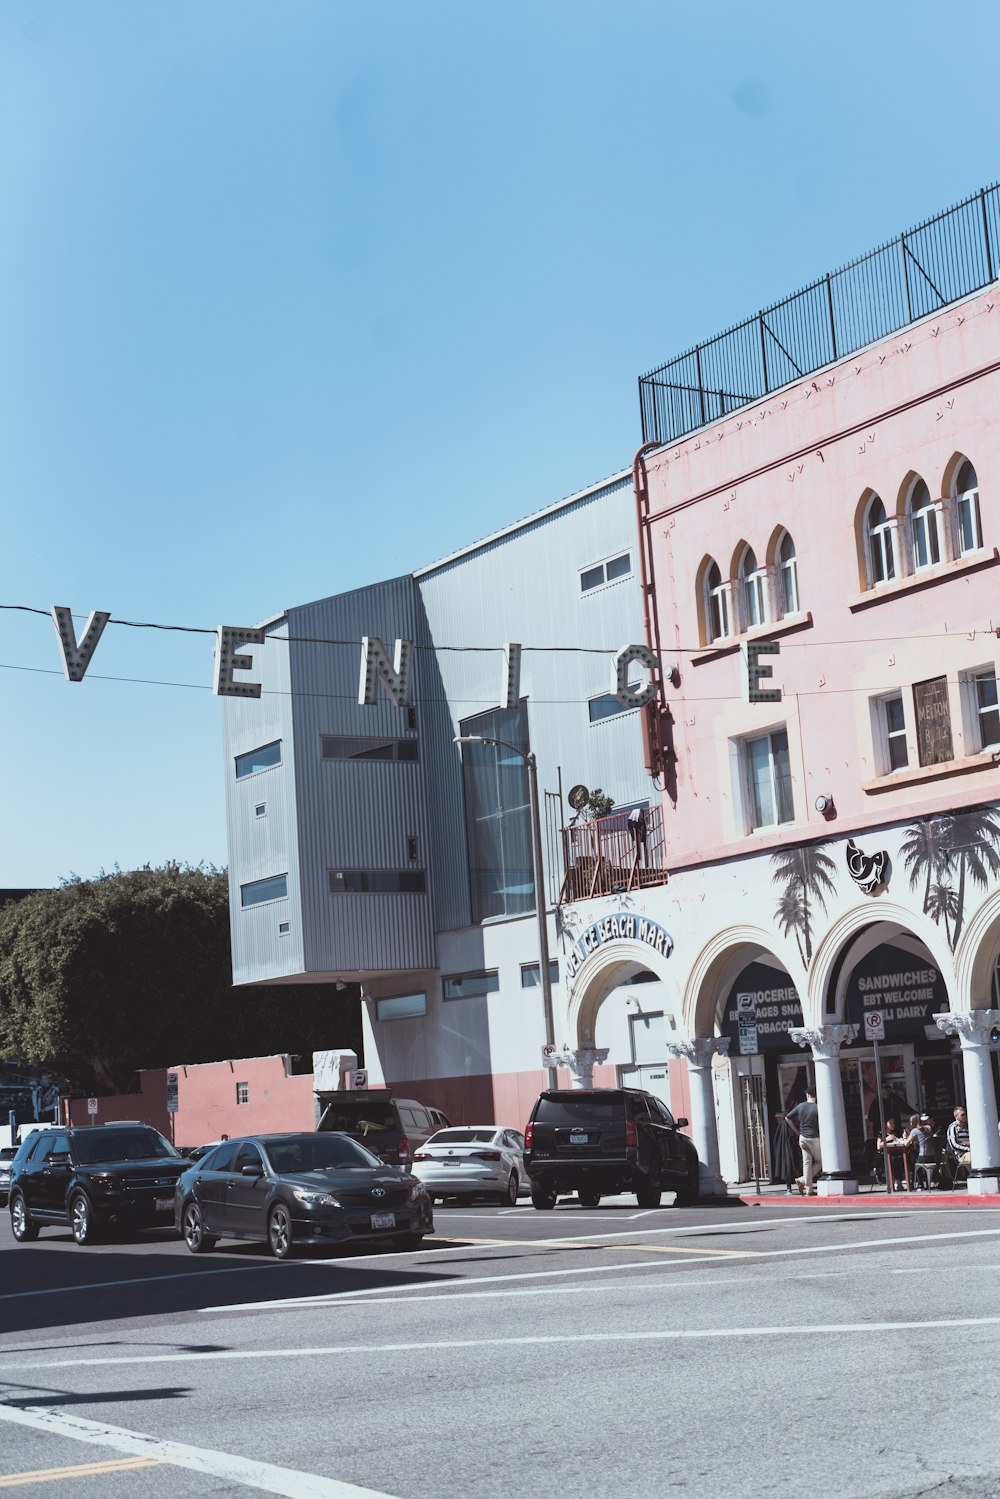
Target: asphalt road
{"type": "Point", "coordinates": [733, 1351]}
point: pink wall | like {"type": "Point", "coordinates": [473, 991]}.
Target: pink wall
{"type": "Point", "coordinates": [805, 460]}
{"type": "Point", "coordinates": [149, 1105]}
{"type": "Point", "coordinates": [207, 1107]}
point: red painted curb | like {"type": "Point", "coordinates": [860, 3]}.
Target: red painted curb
{"type": "Point", "coordinates": [893, 1202]}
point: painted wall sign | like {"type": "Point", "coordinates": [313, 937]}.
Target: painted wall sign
{"type": "Point", "coordinates": [868, 871]}
{"type": "Point", "coordinates": [763, 1000]}
{"type": "Point", "coordinates": [930, 702]}
{"type": "Point", "coordinates": [907, 990]}
{"type": "Point", "coordinates": [626, 928]}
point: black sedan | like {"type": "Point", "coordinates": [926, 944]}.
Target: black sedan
{"type": "Point", "coordinates": [299, 1189]}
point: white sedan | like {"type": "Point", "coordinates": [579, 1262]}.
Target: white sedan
{"type": "Point", "coordinates": [473, 1160]}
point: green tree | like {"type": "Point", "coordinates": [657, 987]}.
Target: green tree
{"type": "Point", "coordinates": [132, 970]}
{"type": "Point", "coordinates": [597, 805]}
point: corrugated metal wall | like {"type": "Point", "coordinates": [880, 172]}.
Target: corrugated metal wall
{"type": "Point", "coordinates": [525, 586]}
{"type": "Point", "coordinates": [355, 814]}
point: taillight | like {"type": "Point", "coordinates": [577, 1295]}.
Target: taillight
{"type": "Point", "coordinates": [529, 1130]}
{"type": "Point", "coordinates": [404, 1145]}
{"type": "Point", "coordinates": [631, 1133]}
{"type": "Point", "coordinates": [423, 1155]}
{"type": "Point", "coordinates": [487, 1155]}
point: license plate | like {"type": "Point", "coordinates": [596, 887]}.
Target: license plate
{"type": "Point", "coordinates": [164, 1204]}
{"type": "Point", "coordinates": [579, 1137]}
{"type": "Point", "coordinates": [383, 1220]}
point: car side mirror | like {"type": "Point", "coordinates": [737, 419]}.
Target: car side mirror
{"type": "Point", "coordinates": [252, 1168]}
{"type": "Point", "coordinates": [58, 1158]}
{"type": "Point", "coordinates": [680, 1123]}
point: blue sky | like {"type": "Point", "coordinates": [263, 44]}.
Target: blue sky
{"type": "Point", "coordinates": [299, 295]}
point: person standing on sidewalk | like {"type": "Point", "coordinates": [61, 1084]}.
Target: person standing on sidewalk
{"type": "Point", "coordinates": [805, 1118]}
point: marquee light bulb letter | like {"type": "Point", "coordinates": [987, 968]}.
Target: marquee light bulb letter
{"type": "Point", "coordinates": [752, 652]}
{"type": "Point", "coordinates": [76, 658]}
{"type": "Point", "coordinates": [396, 679]}
{"type": "Point", "coordinates": [229, 659]}
{"type": "Point", "coordinates": [510, 694]}
{"type": "Point", "coordinates": [634, 697]}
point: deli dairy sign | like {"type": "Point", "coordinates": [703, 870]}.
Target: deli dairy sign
{"type": "Point", "coordinates": [394, 675]}
{"type": "Point", "coordinates": [617, 929]}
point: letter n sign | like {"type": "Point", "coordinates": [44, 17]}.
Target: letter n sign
{"type": "Point", "coordinates": [752, 651]}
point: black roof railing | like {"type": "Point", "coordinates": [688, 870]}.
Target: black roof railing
{"type": "Point", "coordinates": [928, 267]}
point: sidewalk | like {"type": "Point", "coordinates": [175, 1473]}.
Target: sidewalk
{"type": "Point", "coordinates": [869, 1197]}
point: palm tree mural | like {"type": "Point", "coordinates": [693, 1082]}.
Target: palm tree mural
{"type": "Point", "coordinates": [935, 849]}
{"type": "Point", "coordinates": [807, 874]}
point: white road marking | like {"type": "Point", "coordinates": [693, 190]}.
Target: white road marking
{"type": "Point", "coordinates": [643, 1214]}
{"type": "Point", "coordinates": [426, 1288]}
{"type": "Point", "coordinates": [668, 1335]}
{"type": "Point", "coordinates": [224, 1465]}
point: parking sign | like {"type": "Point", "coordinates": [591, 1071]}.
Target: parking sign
{"type": "Point", "coordinates": [875, 1025]}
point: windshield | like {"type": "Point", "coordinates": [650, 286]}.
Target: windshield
{"type": "Point", "coordinates": [122, 1145]}
{"type": "Point", "coordinates": [363, 1117]}
{"type": "Point", "coordinates": [318, 1153]}
{"type": "Point", "coordinates": [462, 1137]}
{"type": "Point", "coordinates": [586, 1109]}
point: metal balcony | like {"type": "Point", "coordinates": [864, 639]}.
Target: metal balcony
{"type": "Point", "coordinates": [613, 855]}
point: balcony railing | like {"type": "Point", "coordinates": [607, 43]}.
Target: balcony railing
{"type": "Point", "coordinates": [615, 854]}
{"type": "Point", "coordinates": [926, 268]}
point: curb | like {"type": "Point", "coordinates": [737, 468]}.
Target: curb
{"type": "Point", "coordinates": [891, 1202]}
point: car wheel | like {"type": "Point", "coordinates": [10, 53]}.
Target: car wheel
{"type": "Point", "coordinates": [542, 1198]}
{"type": "Point", "coordinates": [408, 1241]}
{"type": "Point", "coordinates": [509, 1198]}
{"type": "Point", "coordinates": [688, 1194]}
{"type": "Point", "coordinates": [589, 1199]}
{"type": "Point", "coordinates": [22, 1228]}
{"type": "Point", "coordinates": [81, 1219]}
{"type": "Point", "coordinates": [193, 1230]}
{"type": "Point", "coordinates": [279, 1231]}
{"type": "Point", "coordinates": [649, 1194]}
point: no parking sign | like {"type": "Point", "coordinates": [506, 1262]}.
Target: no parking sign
{"type": "Point", "coordinates": [875, 1025]}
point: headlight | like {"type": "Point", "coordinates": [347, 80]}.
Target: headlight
{"type": "Point", "coordinates": [417, 1192]}
{"type": "Point", "coordinates": [109, 1183]}
{"type": "Point", "coordinates": [316, 1199]}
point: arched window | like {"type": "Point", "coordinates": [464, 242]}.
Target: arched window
{"type": "Point", "coordinates": [753, 585]}
{"type": "Point", "coordinates": [717, 601]}
{"type": "Point", "coordinates": [968, 525]}
{"type": "Point", "coordinates": [788, 577]}
{"type": "Point", "coordinates": [880, 535]}
{"type": "Point", "coordinates": [925, 526]}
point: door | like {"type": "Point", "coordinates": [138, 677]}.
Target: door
{"type": "Point", "coordinates": [50, 1178]}
{"type": "Point", "coordinates": [246, 1195]}
{"type": "Point", "coordinates": [213, 1182]}
{"type": "Point", "coordinates": [671, 1153]}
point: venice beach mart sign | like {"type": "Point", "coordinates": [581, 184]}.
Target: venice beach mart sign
{"type": "Point", "coordinates": [618, 929]}
{"type": "Point", "coordinates": [395, 675]}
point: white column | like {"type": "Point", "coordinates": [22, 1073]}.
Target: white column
{"type": "Point", "coordinates": [581, 1064]}
{"type": "Point", "coordinates": [698, 1053]}
{"type": "Point", "coordinates": [973, 1027]}
{"type": "Point", "coordinates": [825, 1042]}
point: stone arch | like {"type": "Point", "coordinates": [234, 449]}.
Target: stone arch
{"type": "Point", "coordinates": [951, 472]}
{"type": "Point", "coordinates": [861, 534]}
{"type": "Point", "coordinates": [976, 956]}
{"type": "Point", "coordinates": [701, 599]}
{"type": "Point", "coordinates": [737, 559]}
{"type": "Point", "coordinates": [719, 963]}
{"type": "Point", "coordinates": [910, 481]}
{"type": "Point", "coordinates": [600, 973]}
{"type": "Point", "coordinates": [774, 541]}
{"type": "Point", "coordinates": [828, 967]}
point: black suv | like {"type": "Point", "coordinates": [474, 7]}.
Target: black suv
{"type": "Point", "coordinates": [606, 1140]}
{"type": "Point", "coordinates": [92, 1179]}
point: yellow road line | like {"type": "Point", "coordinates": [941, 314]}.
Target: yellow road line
{"type": "Point", "coordinates": [80, 1470]}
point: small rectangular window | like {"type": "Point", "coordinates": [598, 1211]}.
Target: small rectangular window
{"type": "Point", "coordinates": [412, 848]}
{"type": "Point", "coordinates": [987, 710]}
{"type": "Point", "coordinates": [258, 759]}
{"type": "Point", "coordinates": [242, 1092]}
{"type": "Point", "coordinates": [260, 810]}
{"type": "Point", "coordinates": [531, 975]}
{"type": "Point", "coordinates": [284, 927]}
{"type": "Point", "coordinates": [377, 882]}
{"type": "Point", "coordinates": [401, 1007]}
{"type": "Point", "coordinates": [275, 888]}
{"type": "Point", "coordinates": [605, 572]}
{"type": "Point", "coordinates": [353, 747]}
{"type": "Point", "coordinates": [894, 727]}
{"type": "Point", "coordinates": [471, 985]}
{"type": "Point", "coordinates": [606, 706]}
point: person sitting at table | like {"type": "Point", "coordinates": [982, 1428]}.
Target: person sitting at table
{"type": "Point", "coordinates": [893, 1142]}
{"type": "Point", "coordinates": [919, 1143]}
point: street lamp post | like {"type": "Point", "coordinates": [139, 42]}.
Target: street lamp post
{"type": "Point", "coordinates": [538, 876]}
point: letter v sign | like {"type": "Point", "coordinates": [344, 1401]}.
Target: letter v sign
{"type": "Point", "coordinates": [76, 658]}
